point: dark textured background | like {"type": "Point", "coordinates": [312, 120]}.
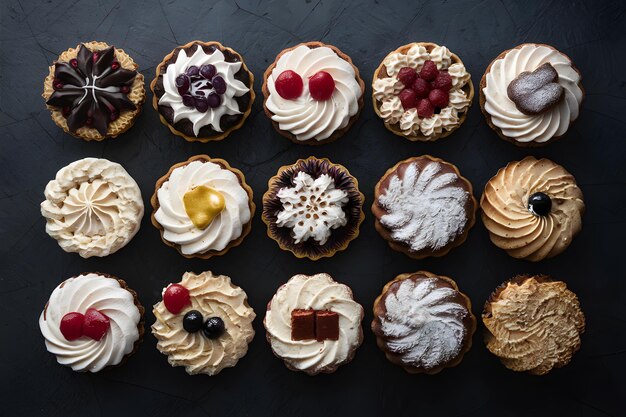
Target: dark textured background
{"type": "Point", "coordinates": [33, 33]}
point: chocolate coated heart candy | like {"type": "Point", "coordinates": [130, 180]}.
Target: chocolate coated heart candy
{"type": "Point", "coordinates": [535, 92]}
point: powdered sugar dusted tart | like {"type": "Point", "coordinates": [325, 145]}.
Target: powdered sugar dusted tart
{"type": "Point", "coordinates": [424, 207]}
{"type": "Point", "coordinates": [203, 91]}
{"type": "Point", "coordinates": [422, 91]}
{"type": "Point", "coordinates": [423, 322]}
{"type": "Point", "coordinates": [313, 208]}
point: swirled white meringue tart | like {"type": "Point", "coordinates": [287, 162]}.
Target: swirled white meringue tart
{"type": "Point", "coordinates": [93, 207]}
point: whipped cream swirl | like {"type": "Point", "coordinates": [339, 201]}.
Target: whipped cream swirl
{"type": "Point", "coordinates": [213, 296]}
{"type": "Point", "coordinates": [317, 292]}
{"type": "Point", "coordinates": [228, 106]}
{"type": "Point", "coordinates": [178, 227]}
{"type": "Point", "coordinates": [93, 207]}
{"type": "Point", "coordinates": [305, 117]}
{"type": "Point", "coordinates": [105, 295]}
{"type": "Point", "coordinates": [504, 114]}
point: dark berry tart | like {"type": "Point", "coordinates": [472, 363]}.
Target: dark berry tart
{"type": "Point", "coordinates": [313, 208]}
{"type": "Point", "coordinates": [203, 91]}
{"type": "Point", "coordinates": [94, 91]}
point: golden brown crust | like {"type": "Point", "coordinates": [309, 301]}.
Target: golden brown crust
{"type": "Point", "coordinates": [381, 72]}
{"type": "Point", "coordinates": [471, 207]}
{"type": "Point", "coordinates": [142, 310]}
{"type": "Point", "coordinates": [223, 135]}
{"type": "Point", "coordinates": [511, 361]}
{"type": "Point", "coordinates": [379, 311]}
{"type": "Point", "coordinates": [329, 369]}
{"type": "Point", "coordinates": [126, 119]}
{"type": "Point", "coordinates": [301, 254]}
{"type": "Point", "coordinates": [483, 99]}
{"type": "Point", "coordinates": [242, 181]}
{"type": "Point", "coordinates": [339, 132]}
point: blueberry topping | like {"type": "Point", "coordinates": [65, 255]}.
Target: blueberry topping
{"type": "Point", "coordinates": [213, 327]}
{"type": "Point", "coordinates": [192, 71]}
{"type": "Point", "coordinates": [214, 100]}
{"type": "Point", "coordinates": [202, 104]}
{"type": "Point", "coordinates": [539, 204]}
{"type": "Point", "coordinates": [219, 85]}
{"type": "Point", "coordinates": [182, 83]}
{"type": "Point", "coordinates": [207, 71]}
{"type": "Point", "coordinates": [193, 321]}
{"type": "Point", "coordinates": [188, 100]}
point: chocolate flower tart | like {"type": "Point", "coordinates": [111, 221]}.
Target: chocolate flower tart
{"type": "Point", "coordinates": [94, 91]}
{"type": "Point", "coordinates": [533, 324]}
{"type": "Point", "coordinates": [203, 91]}
{"type": "Point", "coordinates": [313, 208]}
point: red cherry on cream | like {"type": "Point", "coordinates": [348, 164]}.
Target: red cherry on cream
{"type": "Point", "coordinates": [289, 85]}
{"type": "Point", "coordinates": [321, 86]}
{"type": "Point", "coordinates": [176, 297]}
{"type": "Point", "coordinates": [72, 326]}
{"type": "Point", "coordinates": [96, 324]}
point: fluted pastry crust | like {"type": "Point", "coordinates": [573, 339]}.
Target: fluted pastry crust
{"type": "Point", "coordinates": [513, 227]}
{"type": "Point", "coordinates": [533, 324]}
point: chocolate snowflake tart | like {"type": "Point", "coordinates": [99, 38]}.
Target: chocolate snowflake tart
{"type": "Point", "coordinates": [94, 91]}
{"type": "Point", "coordinates": [203, 91]}
{"type": "Point", "coordinates": [313, 208]}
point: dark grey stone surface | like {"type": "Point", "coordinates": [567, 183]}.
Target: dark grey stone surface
{"type": "Point", "coordinates": [32, 149]}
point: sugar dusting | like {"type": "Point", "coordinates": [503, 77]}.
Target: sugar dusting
{"type": "Point", "coordinates": [424, 323]}
{"type": "Point", "coordinates": [425, 209]}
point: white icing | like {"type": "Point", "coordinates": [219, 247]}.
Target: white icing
{"type": "Point", "coordinates": [227, 70]}
{"type": "Point", "coordinates": [312, 208]}
{"type": "Point", "coordinates": [424, 323]}
{"type": "Point", "coordinates": [416, 56]}
{"type": "Point", "coordinates": [317, 292]}
{"type": "Point", "coordinates": [459, 76]}
{"type": "Point", "coordinates": [386, 92]}
{"type": "Point", "coordinates": [505, 115]}
{"type": "Point", "coordinates": [386, 87]}
{"type": "Point", "coordinates": [392, 110]}
{"type": "Point", "coordinates": [305, 117]}
{"type": "Point", "coordinates": [178, 227]}
{"type": "Point", "coordinates": [77, 295]}
{"type": "Point", "coordinates": [424, 208]}
{"type": "Point", "coordinates": [410, 121]}
{"type": "Point", "coordinates": [93, 207]}
{"type": "Point", "coordinates": [441, 56]}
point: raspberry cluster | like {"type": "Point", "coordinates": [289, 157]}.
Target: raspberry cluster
{"type": "Point", "coordinates": [427, 91]}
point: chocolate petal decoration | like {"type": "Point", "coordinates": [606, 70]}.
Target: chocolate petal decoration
{"type": "Point", "coordinates": [78, 116]}
{"type": "Point", "coordinates": [65, 73]}
{"type": "Point", "coordinates": [65, 97]}
{"type": "Point", "coordinates": [119, 77]}
{"type": "Point", "coordinates": [119, 100]}
{"type": "Point", "coordinates": [104, 61]}
{"type": "Point", "coordinates": [84, 60]}
{"type": "Point", "coordinates": [100, 118]}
